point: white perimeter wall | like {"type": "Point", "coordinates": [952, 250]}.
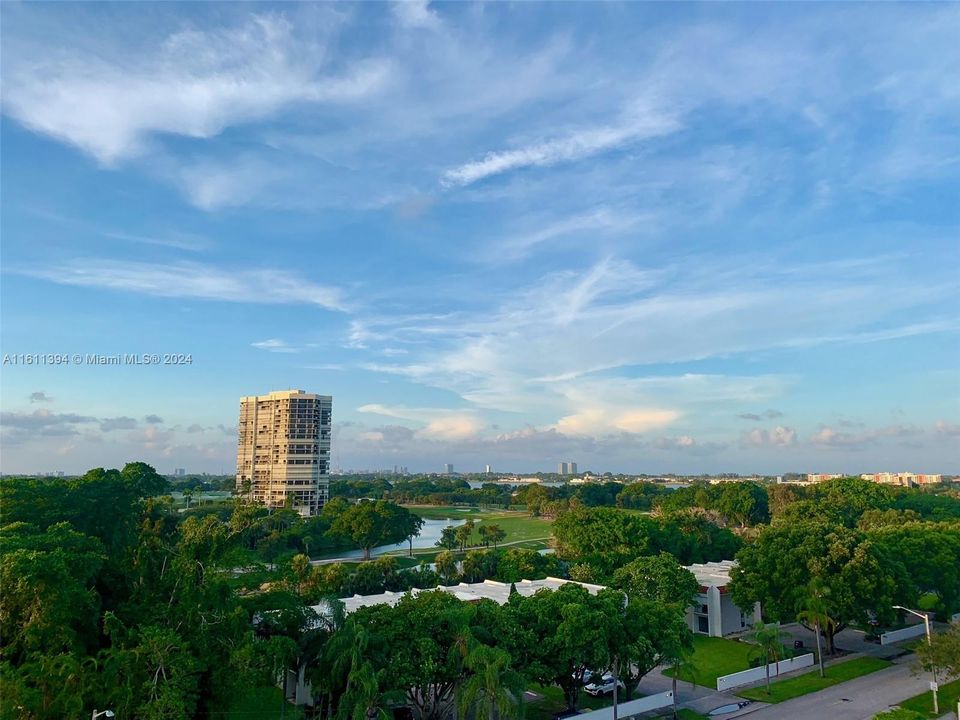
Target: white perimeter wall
{"type": "Point", "coordinates": [633, 707]}
{"type": "Point", "coordinates": [745, 677]}
{"type": "Point", "coordinates": [893, 636]}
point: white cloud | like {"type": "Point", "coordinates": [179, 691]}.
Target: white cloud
{"type": "Point", "coordinates": [780, 437]}
{"type": "Point", "coordinates": [195, 83]}
{"type": "Point", "coordinates": [274, 345]}
{"type": "Point", "coordinates": [415, 14]}
{"type": "Point", "coordinates": [596, 421]}
{"type": "Point", "coordinates": [438, 423]}
{"type": "Point", "coordinates": [947, 429]}
{"type": "Point", "coordinates": [582, 143]}
{"type": "Point", "coordinates": [688, 445]}
{"type": "Point", "coordinates": [573, 345]}
{"type": "Point", "coordinates": [192, 280]}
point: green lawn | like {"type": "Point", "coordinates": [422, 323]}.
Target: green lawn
{"type": "Point", "coordinates": [263, 703]}
{"type": "Point", "coordinates": [948, 696]}
{"type": "Point", "coordinates": [517, 525]}
{"type": "Point", "coordinates": [685, 714]}
{"type": "Point", "coordinates": [553, 702]}
{"type": "Point", "coordinates": [812, 682]}
{"type": "Point", "coordinates": [713, 657]}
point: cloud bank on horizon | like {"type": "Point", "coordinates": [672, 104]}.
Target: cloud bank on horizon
{"type": "Point", "coordinates": [641, 237]}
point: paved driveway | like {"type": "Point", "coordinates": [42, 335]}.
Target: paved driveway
{"type": "Point", "coordinates": [858, 699]}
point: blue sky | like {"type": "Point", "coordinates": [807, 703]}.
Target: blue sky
{"type": "Point", "coordinates": [643, 237]}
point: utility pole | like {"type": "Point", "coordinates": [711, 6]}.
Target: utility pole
{"type": "Point", "coordinates": [933, 683]}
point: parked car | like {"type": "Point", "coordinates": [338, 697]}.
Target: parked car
{"type": "Point", "coordinates": [603, 686]}
{"type": "Point", "coordinates": [590, 675]}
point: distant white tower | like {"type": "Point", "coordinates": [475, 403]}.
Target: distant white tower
{"type": "Point", "coordinates": [283, 449]}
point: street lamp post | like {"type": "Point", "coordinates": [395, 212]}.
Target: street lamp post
{"type": "Point", "coordinates": [926, 623]}
{"type": "Point", "coordinates": [104, 713]}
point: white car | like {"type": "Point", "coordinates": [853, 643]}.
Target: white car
{"type": "Point", "coordinates": [603, 686]}
{"type": "Point", "coordinates": [589, 675]}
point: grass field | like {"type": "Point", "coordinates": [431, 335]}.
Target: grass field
{"type": "Point", "coordinates": [262, 704]}
{"type": "Point", "coordinates": [948, 696]}
{"type": "Point", "coordinates": [685, 714]}
{"type": "Point", "coordinates": [812, 682]}
{"type": "Point", "coordinates": [553, 702]}
{"type": "Point", "coordinates": [713, 657]}
{"type": "Point", "coordinates": [517, 525]}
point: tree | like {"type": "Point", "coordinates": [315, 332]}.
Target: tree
{"type": "Point", "coordinates": [863, 579]}
{"type": "Point", "coordinates": [446, 564]}
{"type": "Point", "coordinates": [561, 634]}
{"type": "Point", "coordinates": [680, 661]}
{"type": "Point", "coordinates": [448, 538]}
{"type": "Point", "coordinates": [780, 496]}
{"type": "Point", "coordinates": [369, 524]}
{"type": "Point", "coordinates": [769, 645]}
{"type": "Point", "coordinates": [463, 534]}
{"type": "Point", "coordinates": [479, 565]}
{"type": "Point", "coordinates": [934, 566]}
{"type": "Point", "coordinates": [47, 606]}
{"type": "Point", "coordinates": [412, 525]}
{"type": "Point", "coordinates": [364, 699]}
{"type": "Point", "coordinates": [493, 690]}
{"type": "Point", "coordinates": [492, 534]}
{"type": "Point", "coordinates": [535, 497]}
{"type": "Point", "coordinates": [942, 654]}
{"type": "Point", "coordinates": [650, 634]}
{"type": "Point", "coordinates": [848, 498]}
{"type": "Point", "coordinates": [658, 577]}
{"type": "Point", "coordinates": [744, 503]}
{"type": "Point", "coordinates": [145, 481]}
{"type": "Point", "coordinates": [814, 613]}
{"type": "Point", "coordinates": [418, 648]}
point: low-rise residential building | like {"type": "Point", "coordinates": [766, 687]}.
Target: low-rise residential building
{"type": "Point", "coordinates": [820, 477]}
{"type": "Point", "coordinates": [468, 592]}
{"type": "Point", "coordinates": [715, 614]}
{"type": "Point", "coordinates": [904, 479]}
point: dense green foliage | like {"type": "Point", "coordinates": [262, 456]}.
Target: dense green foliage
{"type": "Point", "coordinates": [604, 539]}
{"type": "Point", "coordinates": [863, 549]}
{"type": "Point", "coordinates": [109, 599]}
{"type": "Point", "coordinates": [113, 597]}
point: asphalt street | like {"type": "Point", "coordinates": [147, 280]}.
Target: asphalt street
{"type": "Point", "coordinates": [858, 699]}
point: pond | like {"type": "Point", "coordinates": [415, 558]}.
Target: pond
{"type": "Point", "coordinates": [429, 534]}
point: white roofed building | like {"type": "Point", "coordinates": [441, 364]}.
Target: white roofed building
{"type": "Point", "coordinates": [715, 613]}
{"type": "Point", "coordinates": [499, 592]}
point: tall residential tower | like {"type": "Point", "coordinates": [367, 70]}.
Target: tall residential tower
{"type": "Point", "coordinates": [284, 449]}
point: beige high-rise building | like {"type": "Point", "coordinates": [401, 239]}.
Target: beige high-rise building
{"type": "Point", "coordinates": [284, 449]}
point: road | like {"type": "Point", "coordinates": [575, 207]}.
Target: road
{"type": "Point", "coordinates": [858, 699]}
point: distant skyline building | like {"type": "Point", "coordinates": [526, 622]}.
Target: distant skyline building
{"type": "Point", "coordinates": [487, 469]}
{"type": "Point", "coordinates": [283, 449]}
{"type": "Point", "coordinates": [905, 479]}
{"type": "Point", "coordinates": [562, 468]}
{"type": "Point", "coordinates": [179, 472]}
{"type": "Point", "coordinates": [448, 469]}
{"type": "Point", "coordinates": [573, 468]}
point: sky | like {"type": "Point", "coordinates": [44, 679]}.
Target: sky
{"type": "Point", "coordinates": [656, 238]}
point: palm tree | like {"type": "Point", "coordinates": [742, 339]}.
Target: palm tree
{"type": "Point", "coordinates": [493, 690]}
{"type": "Point", "coordinates": [363, 700]}
{"type": "Point", "coordinates": [814, 613]}
{"type": "Point", "coordinates": [681, 663]}
{"type": "Point", "coordinates": [769, 645]}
